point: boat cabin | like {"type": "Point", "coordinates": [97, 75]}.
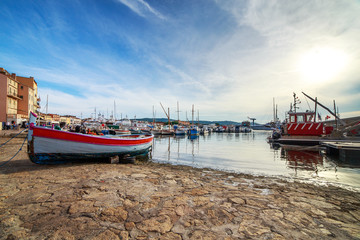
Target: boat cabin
{"type": "Point", "coordinates": [301, 117]}
{"type": "Point", "coordinates": [303, 123]}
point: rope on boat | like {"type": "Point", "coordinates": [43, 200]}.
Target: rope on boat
{"type": "Point", "coordinates": [12, 138]}
{"type": "Point", "coordinates": [3, 164]}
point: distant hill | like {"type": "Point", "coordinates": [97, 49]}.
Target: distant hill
{"type": "Point", "coordinates": [204, 122]}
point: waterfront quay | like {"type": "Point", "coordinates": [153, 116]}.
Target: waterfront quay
{"type": "Point", "coordinates": [147, 200]}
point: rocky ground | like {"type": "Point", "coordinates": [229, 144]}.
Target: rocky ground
{"type": "Point", "coordinates": [153, 201]}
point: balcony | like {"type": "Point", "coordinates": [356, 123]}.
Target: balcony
{"type": "Point", "coordinates": [13, 95]}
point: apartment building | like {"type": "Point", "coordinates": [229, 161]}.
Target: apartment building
{"type": "Point", "coordinates": [9, 98]}
{"type": "Point", "coordinates": [18, 96]}
{"type": "Point", "coordinates": [29, 96]}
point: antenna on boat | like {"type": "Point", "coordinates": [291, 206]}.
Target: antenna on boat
{"type": "Point", "coordinates": [296, 101]}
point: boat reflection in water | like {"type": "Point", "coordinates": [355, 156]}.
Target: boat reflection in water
{"type": "Point", "coordinates": [303, 158]}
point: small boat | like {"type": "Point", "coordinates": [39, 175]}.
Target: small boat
{"type": "Point", "coordinates": [204, 131]}
{"type": "Point", "coordinates": [180, 130]}
{"type": "Point", "coordinates": [193, 131]}
{"type": "Point", "coordinates": [264, 127]}
{"type": "Point", "coordinates": [50, 146]}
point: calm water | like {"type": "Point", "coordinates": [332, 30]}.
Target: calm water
{"type": "Point", "coordinates": [250, 153]}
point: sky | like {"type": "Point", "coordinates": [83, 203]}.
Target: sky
{"type": "Point", "coordinates": [230, 58]}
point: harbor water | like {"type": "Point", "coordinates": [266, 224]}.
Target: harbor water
{"type": "Point", "coordinates": [250, 153]}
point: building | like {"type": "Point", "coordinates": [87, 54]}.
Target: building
{"type": "Point", "coordinates": [29, 96]}
{"type": "Point", "coordinates": [9, 98]}
{"type": "Point", "coordinates": [18, 96]}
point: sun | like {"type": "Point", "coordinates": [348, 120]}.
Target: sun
{"type": "Point", "coordinates": [322, 64]}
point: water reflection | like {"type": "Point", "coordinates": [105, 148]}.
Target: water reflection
{"type": "Point", "coordinates": [250, 153]}
{"type": "Point", "coordinates": [308, 160]}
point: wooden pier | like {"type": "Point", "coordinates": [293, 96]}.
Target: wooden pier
{"type": "Point", "coordinates": [346, 151]}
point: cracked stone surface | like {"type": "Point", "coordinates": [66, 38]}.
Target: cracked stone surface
{"type": "Point", "coordinates": [154, 201]}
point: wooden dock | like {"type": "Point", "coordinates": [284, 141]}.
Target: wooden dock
{"type": "Point", "coordinates": [346, 151]}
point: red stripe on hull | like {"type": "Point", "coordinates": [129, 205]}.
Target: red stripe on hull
{"type": "Point", "coordinates": [76, 137]}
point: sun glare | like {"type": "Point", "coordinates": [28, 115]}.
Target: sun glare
{"type": "Point", "coordinates": [322, 64]}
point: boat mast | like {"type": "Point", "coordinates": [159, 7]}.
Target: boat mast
{"type": "Point", "coordinates": [169, 117]}
{"type": "Point", "coordinates": [178, 112]}
{"type": "Point", "coordinates": [153, 117]}
{"type": "Point", "coordinates": [114, 115]}
{"type": "Point", "coordinates": [192, 118]}
{"type": "Point", "coordinates": [274, 109]}
{"type": "Point", "coordinates": [336, 123]}
{"type": "Point", "coordinates": [198, 118]}
{"type": "Point", "coordinates": [47, 104]}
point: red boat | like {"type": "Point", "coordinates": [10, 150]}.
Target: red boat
{"type": "Point", "coordinates": [302, 128]}
{"type": "Point", "coordinates": [50, 146]}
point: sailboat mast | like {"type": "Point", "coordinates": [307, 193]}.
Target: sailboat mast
{"type": "Point", "coordinates": [178, 112]}
{"type": "Point", "coordinates": [192, 118]}
{"type": "Point", "coordinates": [274, 109]}
{"type": "Point", "coordinates": [169, 116]}
{"type": "Point", "coordinates": [198, 118]}
{"type": "Point", "coordinates": [153, 117]}
{"type": "Point", "coordinates": [114, 115]}
{"type": "Point", "coordinates": [47, 104]}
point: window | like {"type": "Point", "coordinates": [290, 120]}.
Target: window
{"type": "Point", "coordinates": [300, 118]}
{"type": "Point", "coordinates": [292, 118]}
{"type": "Point", "coordinates": [21, 87]}
{"type": "Point", "coordinates": [309, 118]}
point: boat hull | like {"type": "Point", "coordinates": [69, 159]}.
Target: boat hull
{"type": "Point", "coordinates": [47, 146]}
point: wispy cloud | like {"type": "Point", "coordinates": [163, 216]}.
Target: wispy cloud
{"type": "Point", "coordinates": [142, 8]}
{"type": "Point", "coordinates": [229, 58]}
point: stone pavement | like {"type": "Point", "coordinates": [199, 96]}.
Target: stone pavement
{"type": "Point", "coordinates": [154, 201]}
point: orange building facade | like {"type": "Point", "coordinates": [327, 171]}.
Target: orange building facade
{"type": "Point", "coordinates": [29, 96]}
{"type": "Point", "coordinates": [9, 97]}
{"type": "Point", "coordinates": [18, 96]}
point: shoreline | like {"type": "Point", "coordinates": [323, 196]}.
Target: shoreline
{"type": "Point", "coordinates": [150, 200]}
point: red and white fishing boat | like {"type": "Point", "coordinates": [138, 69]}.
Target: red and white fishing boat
{"type": "Point", "coordinates": [302, 128]}
{"type": "Point", "coordinates": [49, 146]}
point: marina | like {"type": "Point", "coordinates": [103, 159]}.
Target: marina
{"type": "Point", "coordinates": [250, 153]}
{"type": "Point", "coordinates": [179, 120]}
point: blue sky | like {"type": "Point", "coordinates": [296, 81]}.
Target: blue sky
{"type": "Point", "coordinates": [228, 58]}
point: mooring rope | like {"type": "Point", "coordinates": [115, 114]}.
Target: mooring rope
{"type": "Point", "coordinates": [3, 164]}
{"type": "Point", "coordinates": [12, 138]}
